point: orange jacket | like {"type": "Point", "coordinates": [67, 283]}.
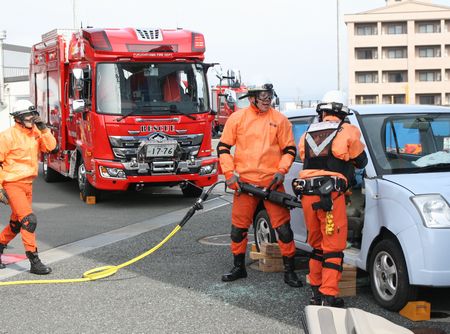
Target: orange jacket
{"type": "Point", "coordinates": [346, 146]}
{"type": "Point", "coordinates": [19, 152]}
{"type": "Point", "coordinates": [259, 139]}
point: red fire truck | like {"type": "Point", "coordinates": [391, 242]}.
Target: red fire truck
{"type": "Point", "coordinates": [225, 98]}
{"type": "Point", "coordinates": [129, 107]}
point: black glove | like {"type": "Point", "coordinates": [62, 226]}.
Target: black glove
{"type": "Point", "coordinates": [232, 182]}
{"type": "Point", "coordinates": [3, 196]}
{"type": "Point", "coordinates": [278, 179]}
{"type": "Point", "coordinates": [39, 123]}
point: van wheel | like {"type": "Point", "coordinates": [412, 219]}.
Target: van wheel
{"type": "Point", "coordinates": [191, 190]}
{"type": "Point", "coordinates": [389, 276]}
{"type": "Point", "coordinates": [49, 174]}
{"type": "Point", "coordinates": [86, 189]}
{"type": "Point", "coordinates": [263, 229]}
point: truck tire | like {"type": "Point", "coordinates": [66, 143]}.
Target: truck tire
{"type": "Point", "coordinates": [49, 174]}
{"type": "Point", "coordinates": [190, 190]}
{"type": "Point", "coordinates": [86, 189]}
{"type": "Point", "coordinates": [263, 229]}
{"type": "Point", "coordinates": [389, 276]}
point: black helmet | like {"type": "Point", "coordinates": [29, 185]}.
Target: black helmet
{"type": "Point", "coordinates": [256, 89]}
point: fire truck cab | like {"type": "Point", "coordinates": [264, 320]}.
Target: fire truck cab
{"type": "Point", "coordinates": [128, 107]}
{"type": "Point", "coordinates": [225, 98]}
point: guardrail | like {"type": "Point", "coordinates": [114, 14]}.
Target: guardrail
{"type": "Point", "coordinates": [10, 71]}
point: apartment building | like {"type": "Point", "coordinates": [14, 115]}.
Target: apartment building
{"type": "Point", "coordinates": [400, 53]}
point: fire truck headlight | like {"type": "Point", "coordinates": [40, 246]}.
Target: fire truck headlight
{"type": "Point", "coordinates": [208, 169]}
{"type": "Point", "coordinates": [434, 210]}
{"type": "Point", "coordinates": [108, 172]}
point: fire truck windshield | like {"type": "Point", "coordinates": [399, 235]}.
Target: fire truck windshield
{"type": "Point", "coordinates": [150, 88]}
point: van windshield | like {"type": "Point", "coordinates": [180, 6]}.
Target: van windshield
{"type": "Point", "coordinates": [150, 88]}
{"type": "Point", "coordinates": [409, 143]}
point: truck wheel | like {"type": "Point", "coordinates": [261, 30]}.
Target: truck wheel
{"type": "Point", "coordinates": [389, 276]}
{"type": "Point", "coordinates": [86, 189]}
{"type": "Point", "coordinates": [263, 229]}
{"type": "Point", "coordinates": [49, 174]}
{"type": "Point", "coordinates": [191, 190]}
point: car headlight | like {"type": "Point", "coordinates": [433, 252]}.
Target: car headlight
{"type": "Point", "coordinates": [434, 210]}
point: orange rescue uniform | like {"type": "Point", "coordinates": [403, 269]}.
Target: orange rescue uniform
{"type": "Point", "coordinates": [19, 154]}
{"type": "Point", "coordinates": [264, 145]}
{"type": "Point", "coordinates": [324, 261]}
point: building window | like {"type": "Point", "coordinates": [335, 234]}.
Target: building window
{"type": "Point", "coordinates": [429, 75]}
{"type": "Point", "coordinates": [371, 53]}
{"type": "Point", "coordinates": [429, 51]}
{"type": "Point", "coordinates": [366, 99]}
{"type": "Point", "coordinates": [395, 52]}
{"type": "Point", "coordinates": [394, 99]}
{"type": "Point", "coordinates": [366, 29]}
{"type": "Point", "coordinates": [428, 27]}
{"type": "Point", "coordinates": [395, 76]}
{"type": "Point", "coordinates": [366, 77]}
{"type": "Point", "coordinates": [434, 99]}
{"type": "Point", "coordinates": [447, 99]}
{"type": "Point", "coordinates": [395, 28]}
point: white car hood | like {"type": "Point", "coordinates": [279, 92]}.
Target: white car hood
{"type": "Point", "coordinates": [423, 183]}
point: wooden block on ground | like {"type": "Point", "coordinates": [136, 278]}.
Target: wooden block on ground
{"type": "Point", "coordinates": [257, 255]}
{"type": "Point", "coordinates": [271, 265]}
{"type": "Point", "coordinates": [347, 292]}
{"type": "Point", "coordinates": [253, 248]}
{"type": "Point", "coordinates": [90, 199]}
{"type": "Point", "coordinates": [272, 250]}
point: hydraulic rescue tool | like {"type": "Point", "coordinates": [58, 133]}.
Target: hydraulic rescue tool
{"type": "Point", "coordinates": [274, 196]}
{"type": "Point", "coordinates": [106, 271]}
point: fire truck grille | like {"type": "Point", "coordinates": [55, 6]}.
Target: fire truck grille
{"type": "Point", "coordinates": [149, 34]}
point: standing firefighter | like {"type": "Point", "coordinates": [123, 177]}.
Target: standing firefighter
{"type": "Point", "coordinates": [264, 152]}
{"type": "Point", "coordinates": [19, 151]}
{"type": "Point", "coordinates": [330, 150]}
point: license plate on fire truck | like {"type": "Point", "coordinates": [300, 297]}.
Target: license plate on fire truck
{"type": "Point", "coordinates": [160, 150]}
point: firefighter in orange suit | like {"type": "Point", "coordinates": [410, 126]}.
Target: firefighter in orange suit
{"type": "Point", "coordinates": [264, 152]}
{"type": "Point", "coordinates": [19, 151]}
{"type": "Point", "coordinates": [330, 150]}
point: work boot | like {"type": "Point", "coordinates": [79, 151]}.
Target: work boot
{"type": "Point", "coordinates": [2, 247]}
{"type": "Point", "coordinates": [332, 301]}
{"type": "Point", "coordinates": [290, 277]}
{"type": "Point", "coordinates": [238, 270]}
{"type": "Point", "coordinates": [37, 267]}
{"type": "Point", "coordinates": [316, 298]}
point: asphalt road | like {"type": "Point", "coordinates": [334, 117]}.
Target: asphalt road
{"type": "Point", "coordinates": [177, 289]}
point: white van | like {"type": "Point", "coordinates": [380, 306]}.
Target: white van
{"type": "Point", "coordinates": [399, 216]}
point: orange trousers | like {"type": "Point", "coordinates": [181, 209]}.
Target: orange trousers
{"type": "Point", "coordinates": [20, 198]}
{"type": "Point", "coordinates": [244, 207]}
{"type": "Point", "coordinates": [327, 278]}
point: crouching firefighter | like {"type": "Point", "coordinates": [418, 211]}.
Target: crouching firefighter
{"type": "Point", "coordinates": [19, 151]}
{"type": "Point", "coordinates": [330, 151]}
{"type": "Point", "coordinates": [264, 152]}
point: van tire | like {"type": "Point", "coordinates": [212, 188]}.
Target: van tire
{"type": "Point", "coordinates": [263, 230]}
{"type": "Point", "coordinates": [389, 276]}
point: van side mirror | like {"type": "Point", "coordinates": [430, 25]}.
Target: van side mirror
{"type": "Point", "coordinates": [78, 76]}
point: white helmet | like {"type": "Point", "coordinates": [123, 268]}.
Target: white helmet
{"type": "Point", "coordinates": [22, 107]}
{"type": "Point", "coordinates": [334, 102]}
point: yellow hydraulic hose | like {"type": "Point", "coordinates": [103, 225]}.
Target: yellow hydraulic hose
{"type": "Point", "coordinates": [97, 273]}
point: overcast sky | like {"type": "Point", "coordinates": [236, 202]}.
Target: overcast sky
{"type": "Point", "coordinates": [291, 43]}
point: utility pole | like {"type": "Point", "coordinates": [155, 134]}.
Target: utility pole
{"type": "Point", "coordinates": [2, 80]}
{"type": "Point", "coordinates": [338, 47]}
{"type": "Point", "coordinates": [74, 13]}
